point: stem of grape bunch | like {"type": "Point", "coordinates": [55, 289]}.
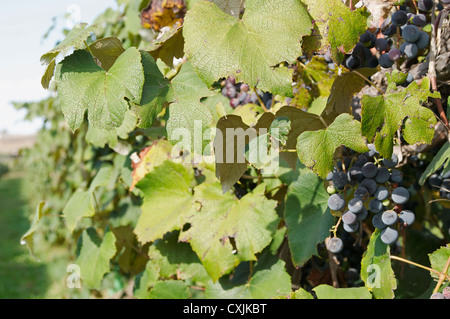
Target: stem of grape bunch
{"type": "Point", "coordinates": [444, 275]}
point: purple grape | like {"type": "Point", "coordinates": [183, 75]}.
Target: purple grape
{"type": "Point", "coordinates": [369, 170]}
{"type": "Point", "coordinates": [389, 217]}
{"type": "Point", "coordinates": [437, 295]}
{"type": "Point", "coordinates": [381, 44]}
{"type": "Point", "coordinates": [410, 33]}
{"type": "Point", "coordinates": [425, 5]}
{"type": "Point", "coordinates": [400, 195]}
{"type": "Point", "coordinates": [334, 245]}
{"type": "Point", "coordinates": [336, 202]}
{"type": "Point", "coordinates": [399, 18]}
{"type": "Point", "coordinates": [385, 61]}
{"type": "Point", "coordinates": [419, 20]}
{"type": "Point", "coordinates": [394, 54]}
{"type": "Point", "coordinates": [349, 218]}
{"type": "Point", "coordinates": [375, 206]}
{"type": "Point", "coordinates": [423, 41]}
{"type": "Point", "coordinates": [389, 235]}
{"type": "Point", "coordinates": [406, 217]}
{"type": "Point", "coordinates": [410, 50]}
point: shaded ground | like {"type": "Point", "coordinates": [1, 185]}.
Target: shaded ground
{"type": "Point", "coordinates": [20, 275]}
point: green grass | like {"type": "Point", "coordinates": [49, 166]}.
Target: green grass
{"type": "Point", "coordinates": [21, 277]}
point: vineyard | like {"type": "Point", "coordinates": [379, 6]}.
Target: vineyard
{"type": "Point", "coordinates": [232, 149]}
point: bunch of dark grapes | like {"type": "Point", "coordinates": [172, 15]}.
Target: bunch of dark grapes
{"type": "Point", "coordinates": [241, 94]}
{"type": "Point", "coordinates": [369, 184]}
{"type": "Point", "coordinates": [440, 181]}
{"type": "Point", "coordinates": [400, 36]}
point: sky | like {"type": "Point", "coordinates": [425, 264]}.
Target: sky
{"type": "Point", "coordinates": [22, 27]}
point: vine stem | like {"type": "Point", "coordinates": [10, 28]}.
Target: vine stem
{"type": "Point", "coordinates": [442, 276]}
{"type": "Point", "coordinates": [370, 82]}
{"type": "Point", "coordinates": [420, 266]}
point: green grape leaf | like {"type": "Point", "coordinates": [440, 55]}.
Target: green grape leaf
{"type": "Point", "coordinates": [169, 289]}
{"type": "Point", "coordinates": [330, 292]}
{"type": "Point", "coordinates": [167, 202]}
{"type": "Point", "coordinates": [189, 118]}
{"type": "Point", "coordinates": [269, 281]}
{"type": "Point", "coordinates": [145, 280]}
{"type": "Point", "coordinates": [250, 49]}
{"type": "Point", "coordinates": [394, 109]}
{"type": "Point", "coordinates": [168, 47]}
{"type": "Point", "coordinates": [129, 261]}
{"type": "Point", "coordinates": [438, 160]}
{"type": "Point", "coordinates": [106, 51]}
{"type": "Point", "coordinates": [344, 87]}
{"type": "Point", "coordinates": [300, 293]}
{"type": "Point", "coordinates": [329, 17]}
{"type": "Point", "coordinates": [93, 256]}
{"type": "Point", "coordinates": [315, 149]}
{"type": "Point", "coordinates": [27, 238]}
{"type": "Point", "coordinates": [83, 85]}
{"type": "Point", "coordinates": [230, 160]}
{"type": "Point", "coordinates": [300, 122]}
{"type": "Point", "coordinates": [231, 7]}
{"type": "Point", "coordinates": [156, 92]}
{"type": "Point", "coordinates": [226, 230]}
{"type": "Point", "coordinates": [439, 259]}
{"type": "Point", "coordinates": [81, 203]}
{"type": "Point", "coordinates": [100, 138]}
{"type": "Point", "coordinates": [307, 216]}
{"type": "Point", "coordinates": [175, 258]}
{"type": "Point", "coordinates": [75, 39]}
{"type": "Point", "coordinates": [376, 270]}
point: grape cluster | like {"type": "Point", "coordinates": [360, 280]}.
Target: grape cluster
{"type": "Point", "coordinates": [440, 181]}
{"type": "Point", "coordinates": [241, 94]}
{"type": "Point", "coordinates": [369, 184]}
{"type": "Point", "coordinates": [400, 36]}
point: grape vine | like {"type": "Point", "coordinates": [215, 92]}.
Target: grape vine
{"type": "Point", "coordinates": [248, 149]}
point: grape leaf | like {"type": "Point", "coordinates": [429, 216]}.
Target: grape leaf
{"type": "Point", "coordinates": [150, 157]}
{"type": "Point", "coordinates": [307, 216]}
{"type": "Point", "coordinates": [106, 51]}
{"type": "Point", "coordinates": [439, 258]}
{"type": "Point", "coordinates": [269, 280]}
{"type": "Point", "coordinates": [81, 203]}
{"type": "Point", "coordinates": [376, 271]}
{"type": "Point", "coordinates": [315, 149]}
{"type": "Point", "coordinates": [145, 280]}
{"type": "Point", "coordinates": [27, 238]}
{"type": "Point", "coordinates": [167, 202]}
{"type": "Point", "coordinates": [168, 47]}
{"type": "Point", "coordinates": [393, 110]}
{"type": "Point", "coordinates": [344, 87]}
{"type": "Point", "coordinates": [99, 137]}
{"type": "Point", "coordinates": [75, 38]}
{"type": "Point", "coordinates": [329, 17]}
{"type": "Point", "coordinates": [250, 49]}
{"type": "Point", "coordinates": [156, 92]}
{"type": "Point", "coordinates": [231, 7]}
{"type": "Point", "coordinates": [330, 292]}
{"type": "Point", "coordinates": [169, 289]}
{"type": "Point", "coordinates": [188, 118]}
{"type": "Point", "coordinates": [83, 85]}
{"type": "Point", "coordinates": [175, 258]}
{"type": "Point", "coordinates": [230, 160]}
{"type": "Point", "coordinates": [226, 230]}
{"type": "Point", "coordinates": [93, 256]}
